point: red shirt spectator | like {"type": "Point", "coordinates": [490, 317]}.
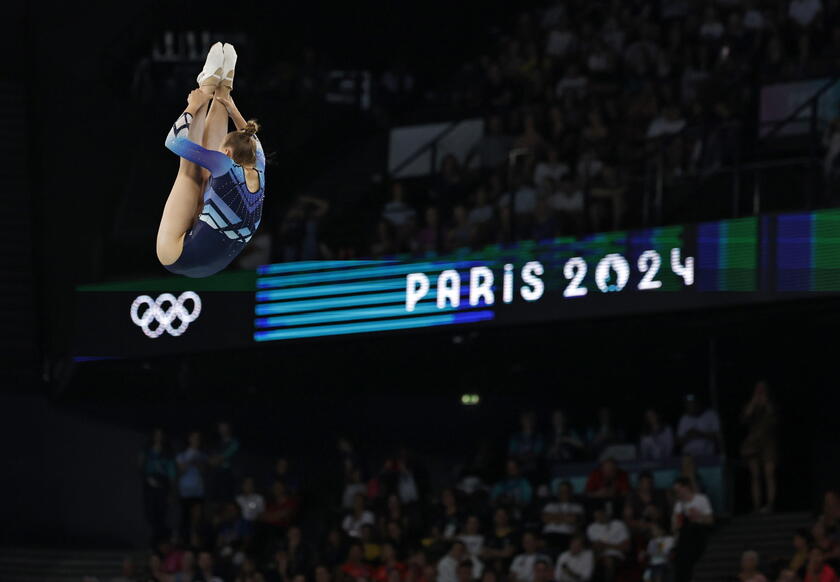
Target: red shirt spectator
{"type": "Point", "coordinates": [607, 481]}
{"type": "Point", "coordinates": [818, 570]}
{"type": "Point", "coordinates": [389, 562]}
{"type": "Point", "coordinates": [282, 509]}
{"type": "Point", "coordinates": [354, 567]}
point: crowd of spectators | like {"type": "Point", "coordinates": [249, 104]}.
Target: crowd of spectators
{"type": "Point", "coordinates": [815, 551]}
{"type": "Point", "coordinates": [582, 99]}
{"type": "Point", "coordinates": [520, 522]}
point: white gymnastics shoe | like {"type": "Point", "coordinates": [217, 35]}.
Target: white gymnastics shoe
{"type": "Point", "coordinates": [228, 66]}
{"type": "Point", "coordinates": [211, 74]}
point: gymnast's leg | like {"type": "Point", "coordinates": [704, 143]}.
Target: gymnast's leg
{"type": "Point", "coordinates": [183, 201]}
{"type": "Point", "coordinates": [185, 198]}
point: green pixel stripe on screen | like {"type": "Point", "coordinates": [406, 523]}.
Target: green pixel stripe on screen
{"type": "Point", "coordinates": [825, 251]}
{"type": "Point", "coordinates": [738, 259]}
{"type": "Point", "coordinates": [227, 281]}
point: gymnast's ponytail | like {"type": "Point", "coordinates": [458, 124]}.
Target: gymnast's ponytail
{"type": "Point", "coordinates": [251, 128]}
{"type": "Point", "coordinates": [242, 145]}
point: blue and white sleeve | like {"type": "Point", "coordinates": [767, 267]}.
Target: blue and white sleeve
{"type": "Point", "coordinates": [178, 141]}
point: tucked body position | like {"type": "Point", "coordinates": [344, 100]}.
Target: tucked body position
{"type": "Point", "coordinates": [215, 205]}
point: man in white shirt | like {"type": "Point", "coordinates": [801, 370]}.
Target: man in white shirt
{"type": "Point", "coordinates": [691, 521]}
{"type": "Point", "coordinates": [561, 517]}
{"type": "Point", "coordinates": [522, 567]}
{"type": "Point", "coordinates": [447, 568]}
{"type": "Point", "coordinates": [698, 432]}
{"type": "Point", "coordinates": [610, 539]}
{"type": "Point", "coordinates": [250, 502]}
{"type": "Point", "coordinates": [575, 564]}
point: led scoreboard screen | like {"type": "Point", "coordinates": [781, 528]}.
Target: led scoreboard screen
{"type": "Point", "coordinates": [728, 262]}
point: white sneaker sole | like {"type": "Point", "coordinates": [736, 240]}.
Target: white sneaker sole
{"type": "Point", "coordinates": [211, 74]}
{"type": "Point", "coordinates": [229, 65]}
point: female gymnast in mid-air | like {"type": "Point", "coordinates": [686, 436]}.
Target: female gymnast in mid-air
{"type": "Point", "coordinates": [216, 202]}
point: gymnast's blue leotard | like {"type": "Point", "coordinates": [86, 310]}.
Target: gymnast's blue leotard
{"type": "Point", "coordinates": [231, 213]}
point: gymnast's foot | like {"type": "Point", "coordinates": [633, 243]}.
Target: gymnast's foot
{"type": "Point", "coordinates": [211, 74]}
{"type": "Point", "coordinates": [229, 66]}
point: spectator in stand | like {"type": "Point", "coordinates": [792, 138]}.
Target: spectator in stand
{"type": "Point", "coordinates": [691, 521]}
{"type": "Point", "coordinates": [647, 501]}
{"type": "Point", "coordinates": [447, 568]}
{"type": "Point", "coordinates": [604, 434]}
{"type": "Point", "coordinates": [760, 446]}
{"type": "Point", "coordinates": [561, 518]}
{"type": "Point", "coordinates": [567, 202]}
{"type": "Point", "coordinates": [297, 551]}
{"type": "Point", "coordinates": [205, 568]}
{"type": "Point", "coordinates": [354, 567]}
{"type": "Point", "coordinates": [371, 548]}
{"type": "Point", "coordinates": [251, 503]}
{"type": "Point", "coordinates": [658, 554]}
{"type": "Point", "coordinates": [333, 550]}
{"type": "Point", "coordinates": [610, 541]}
{"type": "Point", "coordinates": [155, 570]}
{"type": "Point", "coordinates": [551, 167]}
{"type": "Point", "coordinates": [389, 562]}
{"type": "Point", "coordinates": [657, 442]}
{"type": "Point", "coordinates": [191, 465]}
{"type": "Point", "coordinates": [480, 218]}
{"type": "Point", "coordinates": [399, 215]}
{"type": "Point", "coordinates": [158, 476]}
{"type": "Point", "coordinates": [461, 232]}
{"type": "Point", "coordinates": [187, 571]}
{"type": "Point", "coordinates": [223, 461]}
{"type": "Point", "coordinates": [576, 564]}
{"type": "Point", "coordinates": [500, 545]}
{"type": "Point", "coordinates": [802, 541]}
{"type": "Point", "coordinates": [472, 537]}
{"type": "Point", "coordinates": [688, 469]}
{"type": "Point", "coordinates": [358, 517]}
{"type": "Point", "coordinates": [545, 225]}
{"type": "Point", "coordinates": [514, 490]}
{"type": "Point", "coordinates": [817, 570]}
{"type": "Point", "coordinates": [698, 432]}
{"type": "Point", "coordinates": [527, 446]}
{"type": "Point", "coordinates": [524, 197]}
{"type": "Point", "coordinates": [354, 486]}
{"type": "Point", "coordinates": [280, 511]}
{"type": "Point", "coordinates": [749, 568]}
{"type": "Point", "coordinates": [127, 572]}
{"type": "Point", "coordinates": [322, 574]}
{"type": "Point", "coordinates": [283, 472]}
{"type": "Point", "coordinates": [248, 572]}
{"type": "Point", "coordinates": [492, 149]}
{"type": "Point", "coordinates": [450, 516]}
{"type": "Point", "coordinates": [522, 567]}
{"type": "Point", "coordinates": [804, 13]}
{"type": "Point", "coordinates": [530, 138]}
{"type": "Point", "coordinates": [543, 572]}
{"type": "Point", "coordinates": [607, 481]}
{"type": "Point", "coordinates": [232, 533]}
{"type": "Point", "coordinates": [564, 444]}
{"type": "Point", "coordinates": [429, 237]}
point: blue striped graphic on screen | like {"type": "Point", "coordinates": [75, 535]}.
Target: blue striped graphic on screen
{"type": "Point", "coordinates": [325, 298]}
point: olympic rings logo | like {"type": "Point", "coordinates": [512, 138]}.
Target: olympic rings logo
{"type": "Point", "coordinates": [168, 312]}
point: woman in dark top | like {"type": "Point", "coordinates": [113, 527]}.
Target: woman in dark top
{"type": "Point", "coordinates": [760, 446]}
